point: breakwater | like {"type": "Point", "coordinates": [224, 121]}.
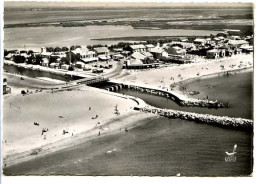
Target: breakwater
{"type": "Point", "coordinates": [177, 97]}
{"type": "Point", "coordinates": [200, 118]}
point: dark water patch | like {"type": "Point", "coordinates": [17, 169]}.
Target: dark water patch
{"type": "Point", "coordinates": [37, 73]}
{"type": "Point", "coordinates": [237, 90]}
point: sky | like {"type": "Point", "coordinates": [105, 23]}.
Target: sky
{"type": "Point", "coordinates": [88, 3]}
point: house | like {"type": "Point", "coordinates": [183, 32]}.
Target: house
{"type": "Point", "coordinates": [149, 47]}
{"type": "Point", "coordinates": [54, 65]}
{"type": "Point", "coordinates": [138, 64]}
{"type": "Point", "coordinates": [58, 54]}
{"type": "Point", "coordinates": [46, 54]}
{"type": "Point", "coordinates": [138, 48]}
{"type": "Point", "coordinates": [199, 41]}
{"type": "Point", "coordinates": [45, 62]}
{"type": "Point", "coordinates": [10, 56]}
{"type": "Point", "coordinates": [64, 67]}
{"type": "Point", "coordinates": [138, 56]}
{"type": "Point", "coordinates": [101, 51]}
{"type": "Point", "coordinates": [247, 48]}
{"type": "Point", "coordinates": [117, 57]}
{"type": "Point", "coordinates": [89, 56]}
{"type": "Point", "coordinates": [237, 43]}
{"type": "Point", "coordinates": [176, 51]}
{"type": "Point", "coordinates": [80, 64]}
{"type": "Point", "coordinates": [185, 45]}
{"type": "Point", "coordinates": [158, 52]}
{"type": "Point", "coordinates": [235, 38]}
{"type": "Point", "coordinates": [213, 54]}
{"type": "Point", "coordinates": [118, 50]}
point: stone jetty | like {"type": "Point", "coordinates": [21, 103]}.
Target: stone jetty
{"type": "Point", "coordinates": [201, 118]}
{"type": "Point", "coordinates": [177, 97]}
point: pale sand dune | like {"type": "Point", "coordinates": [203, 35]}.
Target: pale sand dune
{"type": "Point", "coordinates": [161, 77]}
{"type": "Point", "coordinates": [21, 135]}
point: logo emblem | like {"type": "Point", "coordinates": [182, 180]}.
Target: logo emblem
{"type": "Point", "coordinates": [231, 155]}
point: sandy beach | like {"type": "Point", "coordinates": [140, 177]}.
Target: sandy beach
{"type": "Point", "coordinates": [91, 114]}
{"type": "Point", "coordinates": [167, 77]}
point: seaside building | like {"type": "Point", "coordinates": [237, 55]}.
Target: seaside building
{"type": "Point", "coordinates": [80, 64]}
{"type": "Point", "coordinates": [213, 54]}
{"type": "Point", "coordinates": [149, 47]}
{"type": "Point", "coordinates": [118, 57]}
{"type": "Point", "coordinates": [64, 67]}
{"type": "Point", "coordinates": [138, 64]}
{"type": "Point", "coordinates": [45, 62]}
{"type": "Point", "coordinates": [237, 43]}
{"type": "Point", "coordinates": [247, 48]}
{"type": "Point", "coordinates": [235, 38]}
{"type": "Point", "coordinates": [159, 52]}
{"type": "Point", "coordinates": [185, 45]}
{"type": "Point", "coordinates": [138, 56]}
{"type": "Point", "coordinates": [54, 65]}
{"type": "Point", "coordinates": [175, 50]}
{"type": "Point", "coordinates": [102, 53]}
{"type": "Point", "coordinates": [138, 48]}
{"type": "Point", "coordinates": [199, 41]}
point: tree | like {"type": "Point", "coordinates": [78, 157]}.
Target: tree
{"type": "Point", "coordinates": [70, 68]}
{"type": "Point", "coordinates": [19, 59]}
{"type": "Point", "coordinates": [65, 49]}
{"type": "Point", "coordinates": [57, 49]}
{"type": "Point", "coordinates": [6, 52]}
{"type": "Point", "coordinates": [30, 52]}
{"type": "Point", "coordinates": [65, 60]}
{"type": "Point", "coordinates": [31, 60]}
{"type": "Point", "coordinates": [53, 59]}
{"type": "Point", "coordinates": [49, 49]}
{"type": "Point", "coordinates": [38, 60]}
{"type": "Point", "coordinates": [72, 47]}
{"type": "Point", "coordinates": [77, 46]}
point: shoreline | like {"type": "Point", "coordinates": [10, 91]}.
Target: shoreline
{"type": "Point", "coordinates": [110, 125]}
{"type": "Point", "coordinates": [182, 83]}
{"type": "Point", "coordinates": [135, 118]}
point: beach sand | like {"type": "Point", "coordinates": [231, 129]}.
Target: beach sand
{"type": "Point", "coordinates": [50, 110]}
{"type": "Point", "coordinates": [166, 77]}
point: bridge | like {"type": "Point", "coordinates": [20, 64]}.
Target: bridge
{"type": "Point", "coordinates": [92, 80]}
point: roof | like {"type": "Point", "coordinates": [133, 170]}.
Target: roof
{"type": "Point", "coordinates": [157, 50]}
{"type": "Point", "coordinates": [237, 42]}
{"type": "Point", "coordinates": [249, 47]}
{"type": "Point", "coordinates": [140, 46]}
{"type": "Point", "coordinates": [80, 63]}
{"type": "Point", "coordinates": [101, 49]}
{"type": "Point", "coordinates": [135, 62]}
{"type": "Point", "coordinates": [199, 40]}
{"type": "Point", "coordinates": [149, 46]}
{"type": "Point", "coordinates": [184, 44]}
{"type": "Point", "coordinates": [138, 55]}
{"type": "Point", "coordinates": [118, 56]}
{"type": "Point", "coordinates": [9, 55]}
{"type": "Point", "coordinates": [213, 51]}
{"type": "Point", "coordinates": [46, 53]}
{"type": "Point", "coordinates": [176, 48]}
{"type": "Point", "coordinates": [147, 54]}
